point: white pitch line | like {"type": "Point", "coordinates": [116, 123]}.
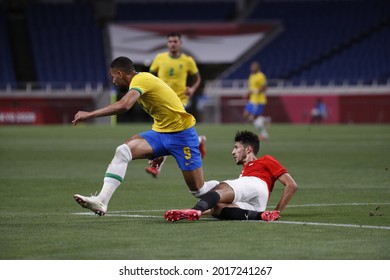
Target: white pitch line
{"type": "Point", "coordinates": [122, 214]}
{"type": "Point", "coordinates": [138, 211]}
{"type": "Point", "coordinates": [111, 214]}
{"type": "Point", "coordinates": [270, 206]}
{"type": "Point", "coordinates": [134, 216]}
{"type": "Point", "coordinates": [277, 222]}
{"type": "Point", "coordinates": [337, 204]}
{"type": "Point", "coordinates": [332, 225]}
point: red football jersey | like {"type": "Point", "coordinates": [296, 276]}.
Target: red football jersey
{"type": "Point", "coordinates": [267, 168]}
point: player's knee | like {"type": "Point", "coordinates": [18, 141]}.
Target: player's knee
{"type": "Point", "coordinates": [207, 186]}
{"type": "Point", "coordinates": [122, 153]}
{"type": "Point", "coordinates": [258, 122]}
{"type": "Point", "coordinates": [198, 193]}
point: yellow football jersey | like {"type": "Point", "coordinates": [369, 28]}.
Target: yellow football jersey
{"type": "Point", "coordinates": [174, 71]}
{"type": "Point", "coordinates": [255, 82]}
{"type": "Point", "coordinates": [161, 103]}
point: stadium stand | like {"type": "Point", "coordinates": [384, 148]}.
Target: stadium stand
{"type": "Point", "coordinates": [343, 41]}
{"type": "Point", "coordinates": [336, 46]}
{"type": "Point", "coordinates": [67, 44]}
{"type": "Point", "coordinates": [185, 11]}
{"type": "Point", "coordinates": [324, 41]}
{"type": "Point", "coordinates": [363, 63]}
{"type": "Point", "coordinates": [7, 72]}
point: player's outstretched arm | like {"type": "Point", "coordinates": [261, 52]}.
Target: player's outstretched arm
{"type": "Point", "coordinates": [118, 107]}
{"type": "Point", "coordinates": [290, 188]}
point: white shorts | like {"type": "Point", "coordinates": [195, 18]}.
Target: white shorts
{"type": "Point", "coordinates": [250, 193]}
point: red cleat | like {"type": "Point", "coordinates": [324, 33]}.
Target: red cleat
{"type": "Point", "coordinates": [152, 170]}
{"type": "Point", "coordinates": [157, 162]}
{"type": "Point", "coordinates": [202, 145]}
{"type": "Point", "coordinates": [270, 216]}
{"type": "Point", "coordinates": [263, 137]}
{"type": "Point", "coordinates": [176, 215]}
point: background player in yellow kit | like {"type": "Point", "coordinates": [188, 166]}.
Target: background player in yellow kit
{"type": "Point", "coordinates": [254, 108]}
{"type": "Point", "coordinates": [174, 68]}
{"type": "Point", "coordinates": [172, 132]}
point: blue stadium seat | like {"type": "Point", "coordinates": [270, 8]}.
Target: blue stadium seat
{"type": "Point", "coordinates": [67, 45]}
{"type": "Point", "coordinates": [176, 11]}
{"type": "Point", "coordinates": [7, 72]}
{"type": "Point", "coordinates": [366, 62]}
{"type": "Point", "coordinates": [315, 27]}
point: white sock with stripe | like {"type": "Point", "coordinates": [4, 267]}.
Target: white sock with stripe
{"type": "Point", "coordinates": [115, 173]}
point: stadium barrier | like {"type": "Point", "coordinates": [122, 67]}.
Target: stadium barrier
{"type": "Point", "coordinates": [219, 104]}
{"type": "Point", "coordinates": [48, 106]}
{"type": "Point", "coordinates": [345, 104]}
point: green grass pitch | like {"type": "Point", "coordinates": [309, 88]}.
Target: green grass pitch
{"type": "Point", "coordinates": [342, 172]}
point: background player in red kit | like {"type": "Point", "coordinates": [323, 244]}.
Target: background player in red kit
{"type": "Point", "coordinates": [246, 197]}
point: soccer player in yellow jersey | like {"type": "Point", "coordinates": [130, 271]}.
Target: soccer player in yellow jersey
{"type": "Point", "coordinates": [172, 133]}
{"type": "Point", "coordinates": [254, 108]}
{"type": "Point", "coordinates": [174, 68]}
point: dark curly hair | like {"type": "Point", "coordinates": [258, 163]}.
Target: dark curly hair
{"type": "Point", "coordinates": [248, 138]}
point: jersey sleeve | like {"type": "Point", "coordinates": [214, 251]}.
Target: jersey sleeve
{"type": "Point", "coordinates": [192, 67]}
{"type": "Point", "coordinates": [275, 167]}
{"type": "Point", "coordinates": [155, 64]}
{"type": "Point", "coordinates": [138, 84]}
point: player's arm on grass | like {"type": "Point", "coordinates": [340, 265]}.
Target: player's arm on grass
{"type": "Point", "coordinates": [120, 106]}
{"type": "Point", "coordinates": [290, 188]}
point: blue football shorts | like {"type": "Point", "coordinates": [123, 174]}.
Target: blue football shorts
{"type": "Point", "coordinates": [254, 109]}
{"type": "Point", "coordinates": [183, 146]}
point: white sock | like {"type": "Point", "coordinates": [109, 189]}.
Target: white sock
{"type": "Point", "coordinates": [115, 173]}
{"type": "Point", "coordinates": [109, 187]}
{"type": "Point", "coordinates": [161, 164]}
{"type": "Point", "coordinates": [264, 133]}
{"type": "Point", "coordinates": [206, 187]}
{"type": "Point", "coordinates": [259, 123]}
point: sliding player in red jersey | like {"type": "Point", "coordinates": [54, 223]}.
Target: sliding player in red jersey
{"type": "Point", "coordinates": [246, 197]}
